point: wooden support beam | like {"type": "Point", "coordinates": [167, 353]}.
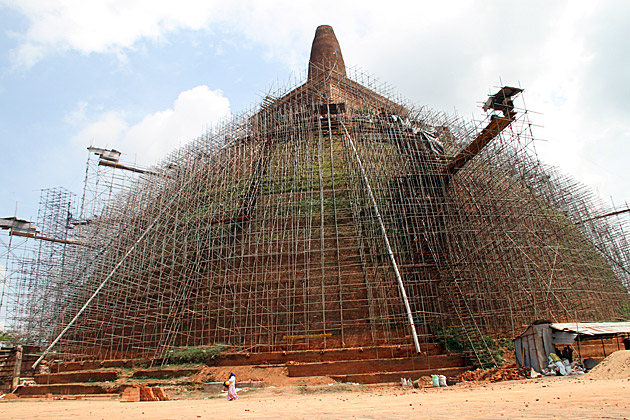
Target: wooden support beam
{"type": "Point", "coordinates": [44, 238]}
{"type": "Point", "coordinates": [492, 130]}
{"type": "Point", "coordinates": [614, 213]}
{"type": "Point", "coordinates": [124, 167]}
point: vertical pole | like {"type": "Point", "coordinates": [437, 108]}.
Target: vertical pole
{"type": "Point", "coordinates": [389, 248]}
{"type": "Point", "coordinates": [320, 162]}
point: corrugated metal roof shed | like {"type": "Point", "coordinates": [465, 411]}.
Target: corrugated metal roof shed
{"type": "Point", "coordinates": [593, 328]}
{"type": "Point", "coordinates": [539, 339]}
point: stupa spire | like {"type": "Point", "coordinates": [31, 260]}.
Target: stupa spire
{"type": "Point", "coordinates": [325, 53]}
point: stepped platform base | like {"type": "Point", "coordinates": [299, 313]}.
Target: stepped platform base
{"type": "Point", "coordinates": [364, 365]}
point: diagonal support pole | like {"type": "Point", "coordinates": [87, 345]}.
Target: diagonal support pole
{"type": "Point", "coordinates": [401, 285]}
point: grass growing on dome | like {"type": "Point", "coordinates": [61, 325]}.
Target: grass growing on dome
{"type": "Point", "coordinates": [192, 355]}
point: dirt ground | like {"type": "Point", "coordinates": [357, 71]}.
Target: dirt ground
{"type": "Point", "coordinates": [542, 398]}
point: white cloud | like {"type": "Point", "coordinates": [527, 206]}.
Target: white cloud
{"type": "Point", "coordinates": [284, 27]}
{"type": "Point", "coordinates": [77, 116]}
{"type": "Point", "coordinates": [27, 55]}
{"type": "Point", "coordinates": [586, 137]}
{"type": "Point", "coordinates": [160, 132]}
{"type": "Point", "coordinates": [102, 25]}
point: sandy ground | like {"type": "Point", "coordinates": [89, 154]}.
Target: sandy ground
{"type": "Point", "coordinates": [543, 398]}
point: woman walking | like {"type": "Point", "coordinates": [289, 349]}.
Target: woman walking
{"type": "Point", "coordinates": [231, 387]}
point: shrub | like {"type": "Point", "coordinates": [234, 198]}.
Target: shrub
{"type": "Point", "coordinates": [199, 354]}
{"type": "Point", "coordinates": [478, 350]}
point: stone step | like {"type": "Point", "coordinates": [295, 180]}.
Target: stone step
{"type": "Point", "coordinates": [348, 367]}
{"type": "Point", "coordinates": [269, 357]}
{"type": "Point", "coordinates": [78, 376]}
{"type": "Point", "coordinates": [165, 373]}
{"type": "Point", "coordinates": [312, 356]}
{"type": "Point", "coordinates": [58, 367]}
{"type": "Point", "coordinates": [266, 358]}
{"type": "Point", "coordinates": [261, 358]}
{"type": "Point", "coordinates": [63, 389]}
{"type": "Point", "coordinates": [394, 377]}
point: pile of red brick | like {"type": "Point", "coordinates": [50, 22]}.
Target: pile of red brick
{"type": "Point", "coordinates": [502, 373]}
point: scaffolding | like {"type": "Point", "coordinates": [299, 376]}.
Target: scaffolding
{"type": "Point", "coordinates": [35, 270]}
{"type": "Point", "coordinates": [335, 214]}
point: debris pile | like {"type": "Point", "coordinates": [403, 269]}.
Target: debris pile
{"type": "Point", "coordinates": [503, 373]}
{"type": "Point", "coordinates": [7, 397]}
{"type": "Point", "coordinates": [140, 392]}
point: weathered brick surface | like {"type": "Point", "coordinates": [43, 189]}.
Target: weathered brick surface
{"type": "Point", "coordinates": [164, 373]}
{"type": "Point", "coordinates": [146, 394]}
{"type": "Point", "coordinates": [75, 377]}
{"type": "Point", "coordinates": [160, 394]}
{"type": "Point", "coordinates": [90, 365]}
{"type": "Point", "coordinates": [130, 394]}
{"type": "Point", "coordinates": [61, 389]}
{"type": "Point", "coordinates": [312, 356]}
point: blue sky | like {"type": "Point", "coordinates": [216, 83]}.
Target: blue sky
{"type": "Point", "coordinates": [146, 76]}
